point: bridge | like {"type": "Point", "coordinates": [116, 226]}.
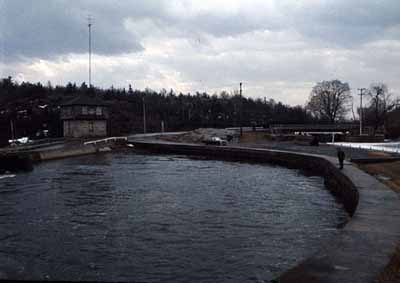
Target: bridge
{"type": "Point", "coordinates": [290, 128]}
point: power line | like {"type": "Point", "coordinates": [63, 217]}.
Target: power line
{"type": "Point", "coordinates": [361, 108]}
{"type": "Point", "coordinates": [144, 115]}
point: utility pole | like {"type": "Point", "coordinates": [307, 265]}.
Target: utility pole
{"type": "Point", "coordinates": [90, 50]}
{"type": "Point", "coordinates": [12, 130]}
{"type": "Point", "coordinates": [361, 108]}
{"type": "Point", "coordinates": [144, 116]}
{"type": "Point", "coordinates": [241, 108]}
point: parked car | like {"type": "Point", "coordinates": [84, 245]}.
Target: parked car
{"type": "Point", "coordinates": [19, 141]}
{"type": "Point", "coordinates": [215, 141]}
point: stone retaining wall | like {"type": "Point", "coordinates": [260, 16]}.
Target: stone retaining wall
{"type": "Point", "coordinates": [66, 152]}
{"type": "Point", "coordinates": [366, 243]}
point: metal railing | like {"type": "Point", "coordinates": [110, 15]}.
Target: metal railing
{"type": "Point", "coordinates": [393, 147]}
{"type": "Point", "coordinates": [106, 140]}
{"type": "Point", "coordinates": [314, 126]}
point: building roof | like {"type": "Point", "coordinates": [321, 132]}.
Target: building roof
{"type": "Point", "coordinates": [85, 100]}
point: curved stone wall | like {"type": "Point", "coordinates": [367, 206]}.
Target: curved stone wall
{"type": "Point", "coordinates": [366, 243]}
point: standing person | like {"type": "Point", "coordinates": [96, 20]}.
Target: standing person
{"type": "Point", "coordinates": [341, 156]}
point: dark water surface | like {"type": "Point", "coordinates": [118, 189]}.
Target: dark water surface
{"type": "Point", "coordinates": [150, 218]}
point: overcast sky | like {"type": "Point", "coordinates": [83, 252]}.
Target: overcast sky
{"type": "Point", "coordinates": [278, 49]}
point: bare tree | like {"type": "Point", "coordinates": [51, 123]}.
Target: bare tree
{"type": "Point", "coordinates": [380, 104]}
{"type": "Point", "coordinates": [329, 100]}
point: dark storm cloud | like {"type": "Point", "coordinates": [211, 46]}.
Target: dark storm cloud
{"type": "Point", "coordinates": [342, 22]}
{"type": "Point", "coordinates": [279, 48]}
{"type": "Point", "coordinates": [50, 28]}
{"type": "Point", "coordinates": [337, 22]}
{"type": "Point", "coordinates": [46, 28]}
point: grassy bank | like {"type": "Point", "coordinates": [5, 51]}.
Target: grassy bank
{"type": "Point", "coordinates": [388, 173]}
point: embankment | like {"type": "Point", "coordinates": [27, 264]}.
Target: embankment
{"type": "Point", "coordinates": [89, 147]}
{"type": "Point", "coordinates": [21, 159]}
{"type": "Point", "coordinates": [24, 160]}
{"type": "Point", "coordinates": [63, 152]}
{"type": "Point", "coordinates": [366, 243]}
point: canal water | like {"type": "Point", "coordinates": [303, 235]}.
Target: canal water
{"type": "Point", "coordinates": [154, 218]}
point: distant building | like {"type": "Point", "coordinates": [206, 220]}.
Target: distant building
{"type": "Point", "coordinates": [84, 116]}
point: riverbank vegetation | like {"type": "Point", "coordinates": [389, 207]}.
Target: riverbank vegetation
{"type": "Point", "coordinates": [32, 109]}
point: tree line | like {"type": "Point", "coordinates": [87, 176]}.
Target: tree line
{"type": "Point", "coordinates": [34, 108]}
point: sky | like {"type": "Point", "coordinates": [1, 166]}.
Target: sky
{"type": "Point", "coordinates": [279, 49]}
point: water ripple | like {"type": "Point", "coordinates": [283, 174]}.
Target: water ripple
{"type": "Point", "coordinates": [127, 217]}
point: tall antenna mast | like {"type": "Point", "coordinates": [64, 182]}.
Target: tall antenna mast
{"type": "Point", "coordinates": [241, 109]}
{"type": "Point", "coordinates": [90, 22]}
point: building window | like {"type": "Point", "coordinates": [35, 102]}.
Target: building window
{"type": "Point", "coordinates": [99, 111]}
{"type": "Point", "coordinates": [84, 110]}
{"type": "Point", "coordinates": [92, 110]}
{"type": "Point", "coordinates": [91, 127]}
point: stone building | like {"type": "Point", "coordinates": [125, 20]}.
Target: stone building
{"type": "Point", "coordinates": [84, 116]}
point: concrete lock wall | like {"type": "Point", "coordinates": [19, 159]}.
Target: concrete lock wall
{"type": "Point", "coordinates": [366, 244]}
{"type": "Point", "coordinates": [63, 153]}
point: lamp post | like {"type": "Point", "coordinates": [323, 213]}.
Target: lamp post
{"type": "Point", "coordinates": [361, 109]}
{"type": "Point", "coordinates": [144, 116]}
